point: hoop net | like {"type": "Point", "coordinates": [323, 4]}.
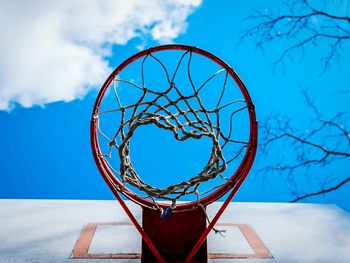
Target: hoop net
{"type": "Point", "coordinates": [183, 114]}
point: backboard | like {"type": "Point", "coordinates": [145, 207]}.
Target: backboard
{"type": "Point", "coordinates": [58, 230]}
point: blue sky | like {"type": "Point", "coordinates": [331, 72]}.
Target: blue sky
{"type": "Point", "coordinates": [45, 151]}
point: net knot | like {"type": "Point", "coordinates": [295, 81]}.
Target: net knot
{"type": "Point", "coordinates": [112, 143]}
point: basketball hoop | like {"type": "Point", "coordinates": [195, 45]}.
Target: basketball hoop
{"type": "Point", "coordinates": [185, 116]}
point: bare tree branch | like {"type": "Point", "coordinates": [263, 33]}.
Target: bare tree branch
{"type": "Point", "coordinates": [304, 26]}
{"type": "Point", "coordinates": [325, 142]}
{"type": "Point", "coordinates": [323, 191]}
{"type": "Point", "coordinates": [335, 17]}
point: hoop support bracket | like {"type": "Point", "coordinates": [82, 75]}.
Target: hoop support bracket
{"type": "Point", "coordinates": [180, 235]}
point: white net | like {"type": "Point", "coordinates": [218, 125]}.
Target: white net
{"type": "Point", "coordinates": [184, 114]}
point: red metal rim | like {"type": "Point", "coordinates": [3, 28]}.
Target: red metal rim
{"type": "Point", "coordinates": [241, 171]}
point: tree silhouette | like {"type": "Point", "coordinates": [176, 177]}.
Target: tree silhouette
{"type": "Point", "coordinates": [304, 26]}
{"type": "Point", "coordinates": [326, 141]}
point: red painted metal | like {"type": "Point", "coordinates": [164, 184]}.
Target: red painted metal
{"type": "Point", "coordinates": [233, 184]}
{"type": "Point", "coordinates": [175, 236]}
{"type": "Point", "coordinates": [236, 186]}
{"type": "Point", "coordinates": [143, 234]}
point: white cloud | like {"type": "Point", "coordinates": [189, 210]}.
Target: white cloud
{"type": "Point", "coordinates": [56, 50]}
